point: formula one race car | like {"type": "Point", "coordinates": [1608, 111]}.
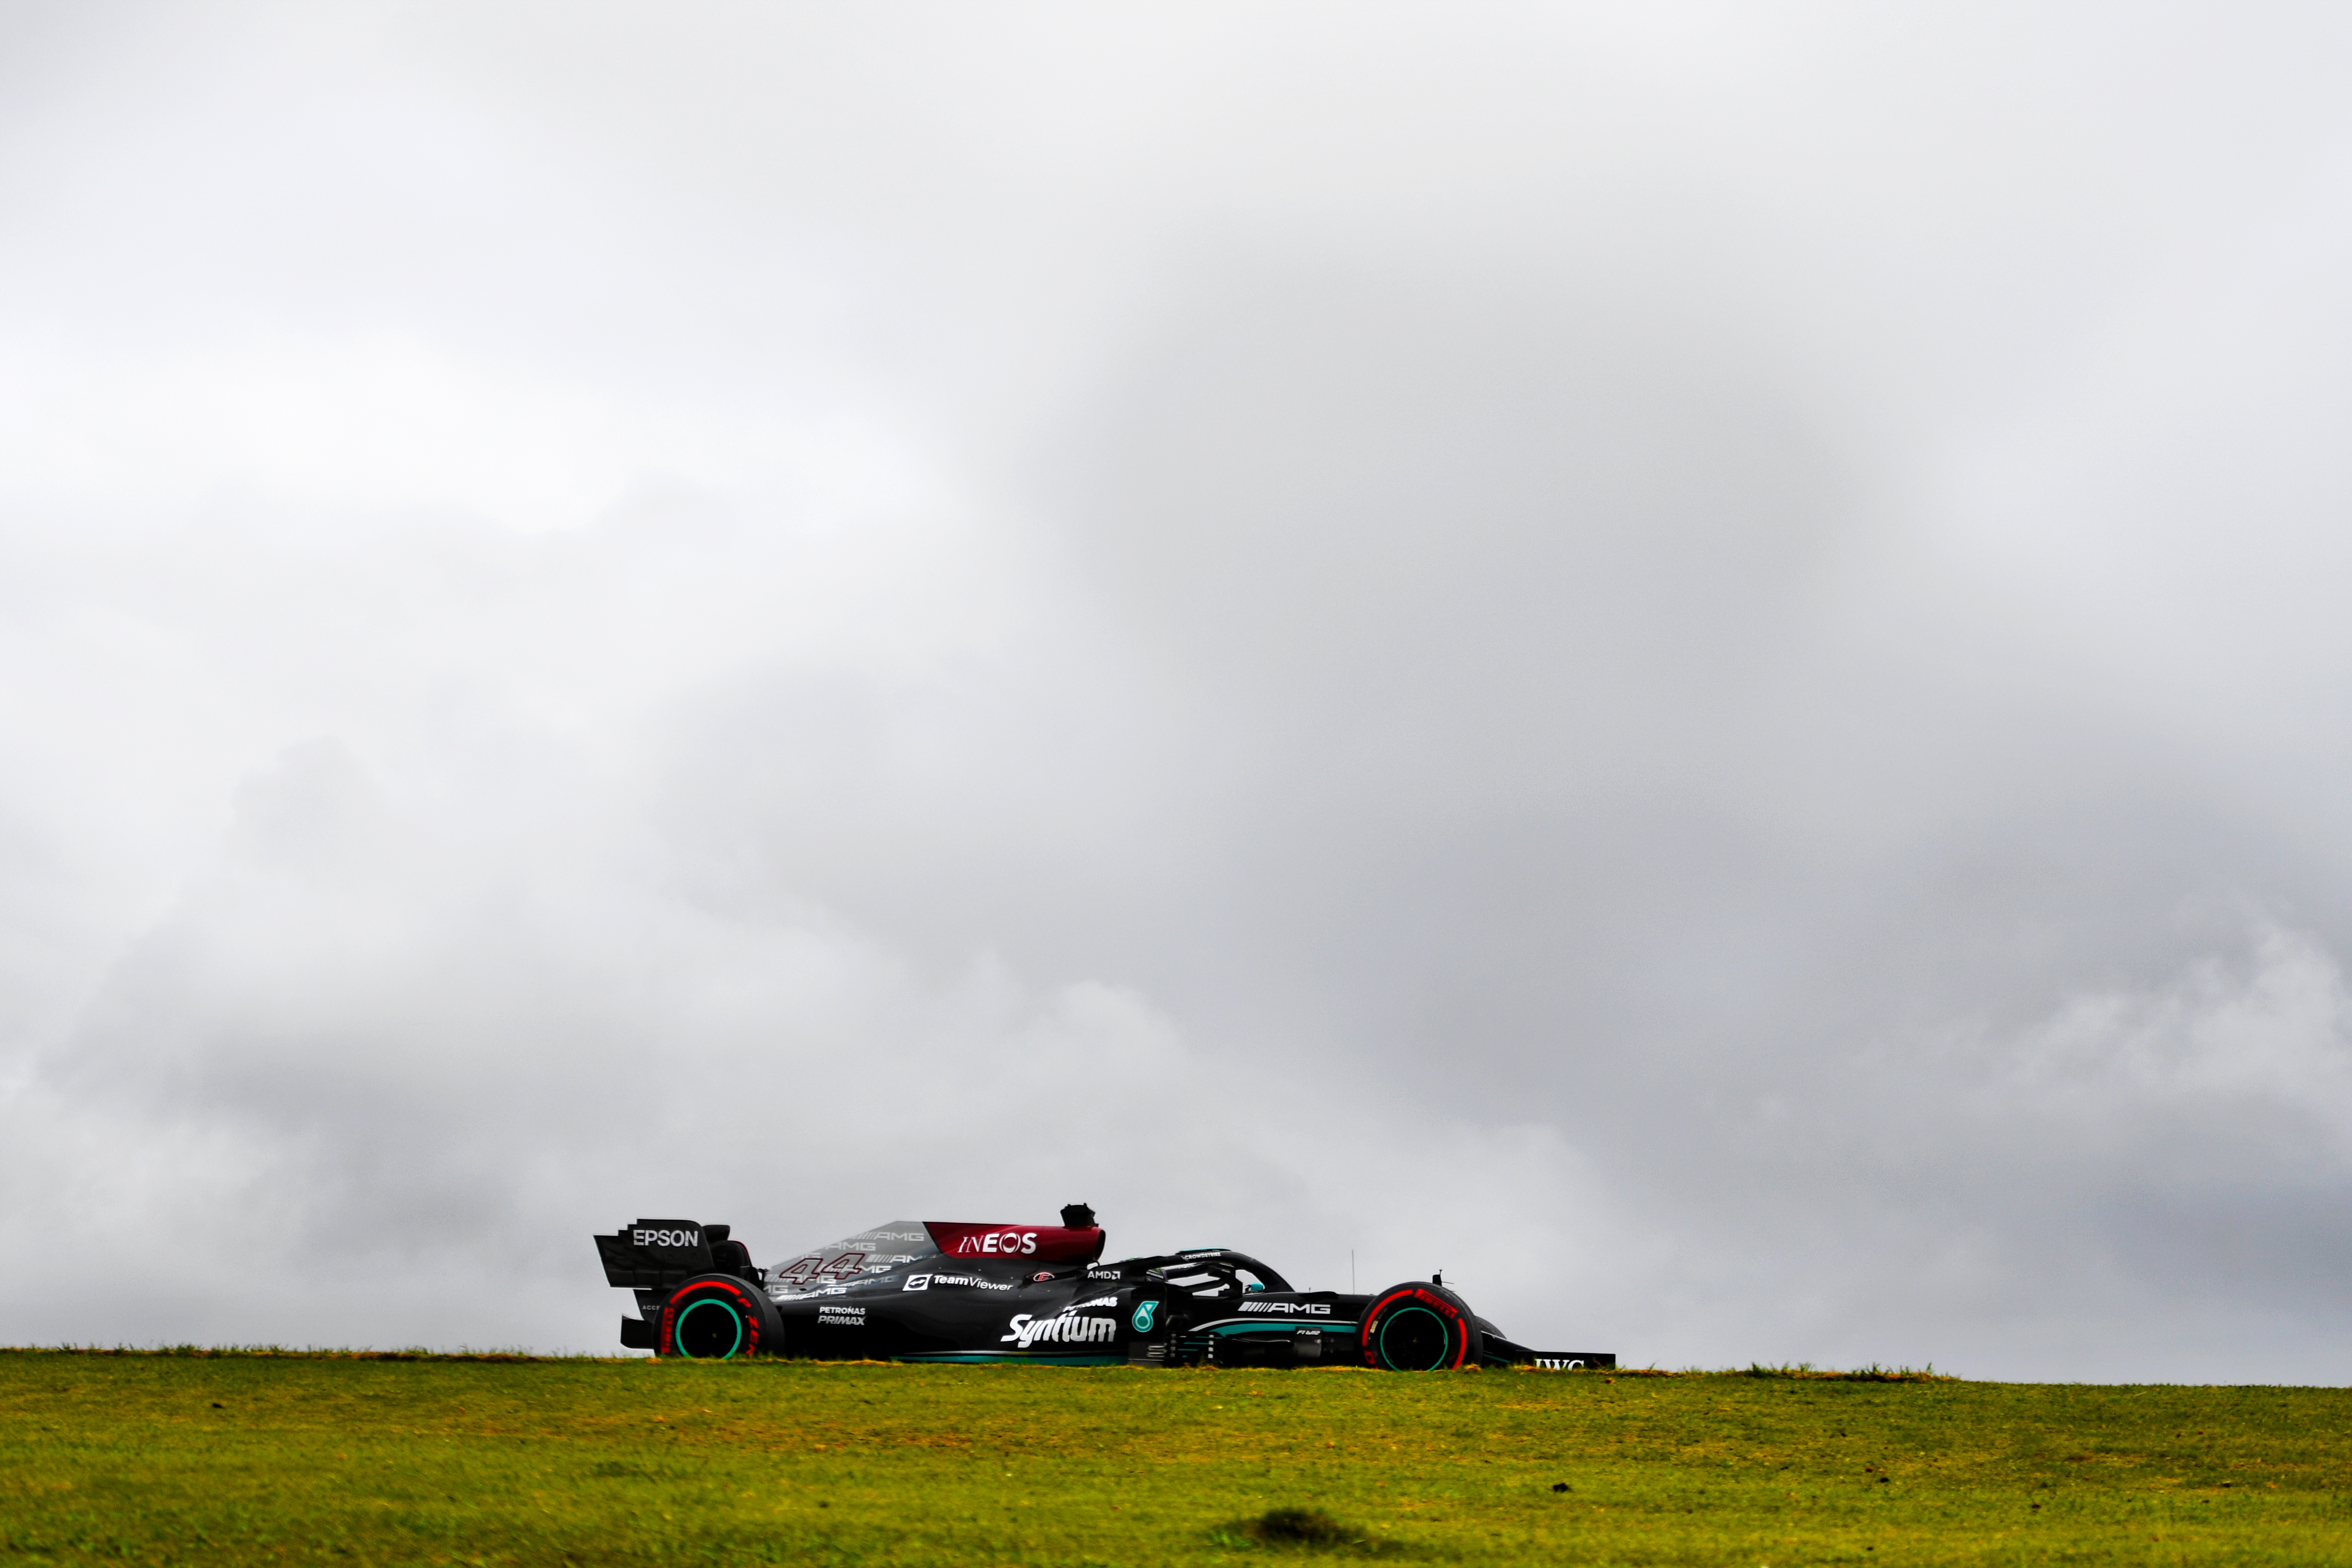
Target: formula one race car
{"type": "Point", "coordinates": [936, 1290]}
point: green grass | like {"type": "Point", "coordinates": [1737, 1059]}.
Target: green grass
{"type": "Point", "coordinates": [255, 1458]}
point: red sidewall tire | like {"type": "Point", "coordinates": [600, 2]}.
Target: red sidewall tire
{"type": "Point", "coordinates": [1419, 1328]}
{"type": "Point", "coordinates": [718, 1318]}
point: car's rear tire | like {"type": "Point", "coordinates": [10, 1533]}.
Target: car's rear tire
{"type": "Point", "coordinates": [717, 1317]}
{"type": "Point", "coordinates": [1419, 1328]}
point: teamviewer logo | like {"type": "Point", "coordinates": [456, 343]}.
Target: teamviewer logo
{"type": "Point", "coordinates": [916, 1282]}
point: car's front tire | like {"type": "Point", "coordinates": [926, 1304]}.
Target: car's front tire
{"type": "Point", "coordinates": [1419, 1328]}
{"type": "Point", "coordinates": [717, 1317]}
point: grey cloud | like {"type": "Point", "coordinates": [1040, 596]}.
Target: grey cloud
{"type": "Point", "coordinates": [1685, 662]}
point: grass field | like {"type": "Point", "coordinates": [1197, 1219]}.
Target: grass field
{"type": "Point", "coordinates": [245, 1458]}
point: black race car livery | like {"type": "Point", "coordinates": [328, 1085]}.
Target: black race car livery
{"type": "Point", "coordinates": [940, 1290]}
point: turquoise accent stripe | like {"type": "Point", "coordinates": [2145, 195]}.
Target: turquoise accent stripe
{"type": "Point", "coordinates": [1324, 1323]}
{"type": "Point", "coordinates": [975, 1358]}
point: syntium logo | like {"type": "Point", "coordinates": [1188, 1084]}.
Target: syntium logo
{"type": "Point", "coordinates": [1064, 1330]}
{"type": "Point", "coordinates": [666, 1237]}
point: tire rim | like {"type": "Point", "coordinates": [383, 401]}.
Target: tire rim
{"type": "Point", "coordinates": [709, 1332]}
{"type": "Point", "coordinates": [1412, 1341]}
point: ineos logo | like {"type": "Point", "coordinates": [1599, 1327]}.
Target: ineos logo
{"type": "Point", "coordinates": [667, 1237]}
{"type": "Point", "coordinates": [1006, 1243]}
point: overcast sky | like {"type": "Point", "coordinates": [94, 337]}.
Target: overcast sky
{"type": "Point", "coordinates": [1689, 660]}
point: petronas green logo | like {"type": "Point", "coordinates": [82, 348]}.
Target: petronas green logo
{"type": "Point", "coordinates": [1143, 1314]}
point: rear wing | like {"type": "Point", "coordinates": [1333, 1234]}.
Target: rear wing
{"type": "Point", "coordinates": [654, 1257]}
{"type": "Point", "coordinates": [660, 1255]}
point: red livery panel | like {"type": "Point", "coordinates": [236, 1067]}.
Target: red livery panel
{"type": "Point", "coordinates": [1041, 1244]}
